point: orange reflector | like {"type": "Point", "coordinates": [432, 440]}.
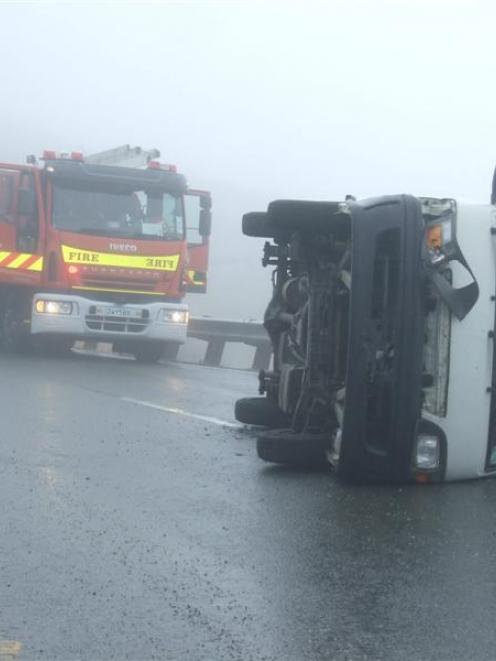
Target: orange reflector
{"type": "Point", "coordinates": [435, 237]}
{"type": "Point", "coordinates": [422, 478]}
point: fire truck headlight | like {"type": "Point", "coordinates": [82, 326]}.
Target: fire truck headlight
{"type": "Point", "coordinates": [54, 307]}
{"type": "Point", "coordinates": [427, 452]}
{"type": "Point", "coordinates": [175, 316]}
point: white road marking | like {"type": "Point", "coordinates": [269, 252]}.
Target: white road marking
{"type": "Point", "coordinates": [186, 414]}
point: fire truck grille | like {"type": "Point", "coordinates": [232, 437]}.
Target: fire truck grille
{"type": "Point", "coordinates": [112, 324]}
{"type": "Point", "coordinates": [144, 285]}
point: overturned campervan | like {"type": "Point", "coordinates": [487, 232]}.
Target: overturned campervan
{"type": "Point", "coordinates": [382, 323]}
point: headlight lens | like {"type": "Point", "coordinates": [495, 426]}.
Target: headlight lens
{"type": "Point", "coordinates": [427, 455]}
{"type": "Point", "coordinates": [175, 316]}
{"type": "Point", "coordinates": [53, 307]}
{"type": "Point", "coordinates": [440, 235]}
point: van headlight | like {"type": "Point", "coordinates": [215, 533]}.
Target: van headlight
{"type": "Point", "coordinates": [43, 306]}
{"type": "Point", "coordinates": [174, 316]}
{"type": "Point", "coordinates": [427, 452]}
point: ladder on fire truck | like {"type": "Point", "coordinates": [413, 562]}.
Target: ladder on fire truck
{"type": "Point", "coordinates": [125, 156]}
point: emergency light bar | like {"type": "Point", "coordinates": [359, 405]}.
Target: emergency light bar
{"type": "Point", "coordinates": [52, 155]}
{"type": "Point", "coordinates": [155, 165]}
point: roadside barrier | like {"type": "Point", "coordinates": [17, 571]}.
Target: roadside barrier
{"type": "Point", "coordinates": [216, 333]}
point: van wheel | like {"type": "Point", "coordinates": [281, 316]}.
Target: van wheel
{"type": "Point", "coordinates": [148, 354]}
{"type": "Point", "coordinates": [309, 217]}
{"type": "Point", "coordinates": [259, 411]}
{"type": "Point", "coordinates": [15, 332]}
{"type": "Point", "coordinates": [299, 450]}
{"type": "Point", "coordinates": [256, 224]}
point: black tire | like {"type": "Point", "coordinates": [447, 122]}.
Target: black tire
{"type": "Point", "coordinates": [148, 354]}
{"type": "Point", "coordinates": [259, 411]}
{"type": "Point", "coordinates": [309, 217]}
{"type": "Point", "coordinates": [256, 224]}
{"type": "Point", "coordinates": [171, 350]}
{"type": "Point", "coordinates": [287, 447]}
{"type": "Point", "coordinates": [57, 346]}
{"type": "Point", "coordinates": [15, 326]}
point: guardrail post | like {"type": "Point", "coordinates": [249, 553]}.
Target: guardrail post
{"type": "Point", "coordinates": [263, 354]}
{"type": "Point", "coordinates": [215, 349]}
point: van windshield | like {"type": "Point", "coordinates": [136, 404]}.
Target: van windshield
{"type": "Point", "coordinates": [118, 211]}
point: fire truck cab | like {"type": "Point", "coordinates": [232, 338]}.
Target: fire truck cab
{"type": "Point", "coordinates": [94, 251]}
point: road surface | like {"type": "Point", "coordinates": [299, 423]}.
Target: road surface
{"type": "Point", "coordinates": [137, 523]}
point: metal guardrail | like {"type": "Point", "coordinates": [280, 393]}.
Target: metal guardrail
{"type": "Point", "coordinates": [218, 332]}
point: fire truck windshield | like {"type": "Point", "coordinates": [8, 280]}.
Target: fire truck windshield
{"type": "Point", "coordinates": [118, 211]}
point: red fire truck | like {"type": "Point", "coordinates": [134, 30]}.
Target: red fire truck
{"type": "Point", "coordinates": [95, 250]}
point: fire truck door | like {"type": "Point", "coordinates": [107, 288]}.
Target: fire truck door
{"type": "Point", "coordinates": [21, 259]}
{"type": "Point", "coordinates": [27, 227]}
{"type": "Point", "coordinates": [8, 184]}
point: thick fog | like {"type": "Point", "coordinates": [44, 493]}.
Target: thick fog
{"type": "Point", "coordinates": [258, 101]}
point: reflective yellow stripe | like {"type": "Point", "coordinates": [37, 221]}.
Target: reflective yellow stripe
{"type": "Point", "coordinates": [123, 291]}
{"type": "Point", "coordinates": [19, 260]}
{"type": "Point", "coordinates": [36, 266]}
{"type": "Point", "coordinates": [153, 262]}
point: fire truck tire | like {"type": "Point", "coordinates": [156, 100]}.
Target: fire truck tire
{"type": "Point", "coordinates": [15, 333]}
{"type": "Point", "coordinates": [287, 447]}
{"type": "Point", "coordinates": [55, 346]}
{"type": "Point", "coordinates": [149, 354]}
{"type": "Point", "coordinates": [256, 224]}
{"type": "Point", "coordinates": [259, 411]}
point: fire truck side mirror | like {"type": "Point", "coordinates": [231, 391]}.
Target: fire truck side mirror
{"type": "Point", "coordinates": [205, 224]}
{"type": "Point", "coordinates": [27, 202]}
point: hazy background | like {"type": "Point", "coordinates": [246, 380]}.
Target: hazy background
{"type": "Point", "coordinates": [257, 101]}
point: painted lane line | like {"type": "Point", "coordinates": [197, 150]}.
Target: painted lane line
{"type": "Point", "coordinates": [186, 414]}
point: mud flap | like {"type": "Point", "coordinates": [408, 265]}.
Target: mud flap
{"type": "Point", "coordinates": [459, 301]}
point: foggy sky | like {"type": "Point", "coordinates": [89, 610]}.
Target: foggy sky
{"type": "Point", "coordinates": [258, 101]}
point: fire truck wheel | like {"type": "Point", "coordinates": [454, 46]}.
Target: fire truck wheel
{"type": "Point", "coordinates": [15, 333]}
{"type": "Point", "coordinates": [148, 353]}
{"type": "Point", "coordinates": [56, 346]}
{"type": "Point", "coordinates": [287, 447]}
{"type": "Point", "coordinates": [259, 411]}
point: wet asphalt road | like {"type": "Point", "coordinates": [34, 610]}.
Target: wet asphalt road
{"type": "Point", "coordinates": [132, 532]}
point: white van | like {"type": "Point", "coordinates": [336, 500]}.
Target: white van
{"type": "Point", "coordinates": [382, 323]}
